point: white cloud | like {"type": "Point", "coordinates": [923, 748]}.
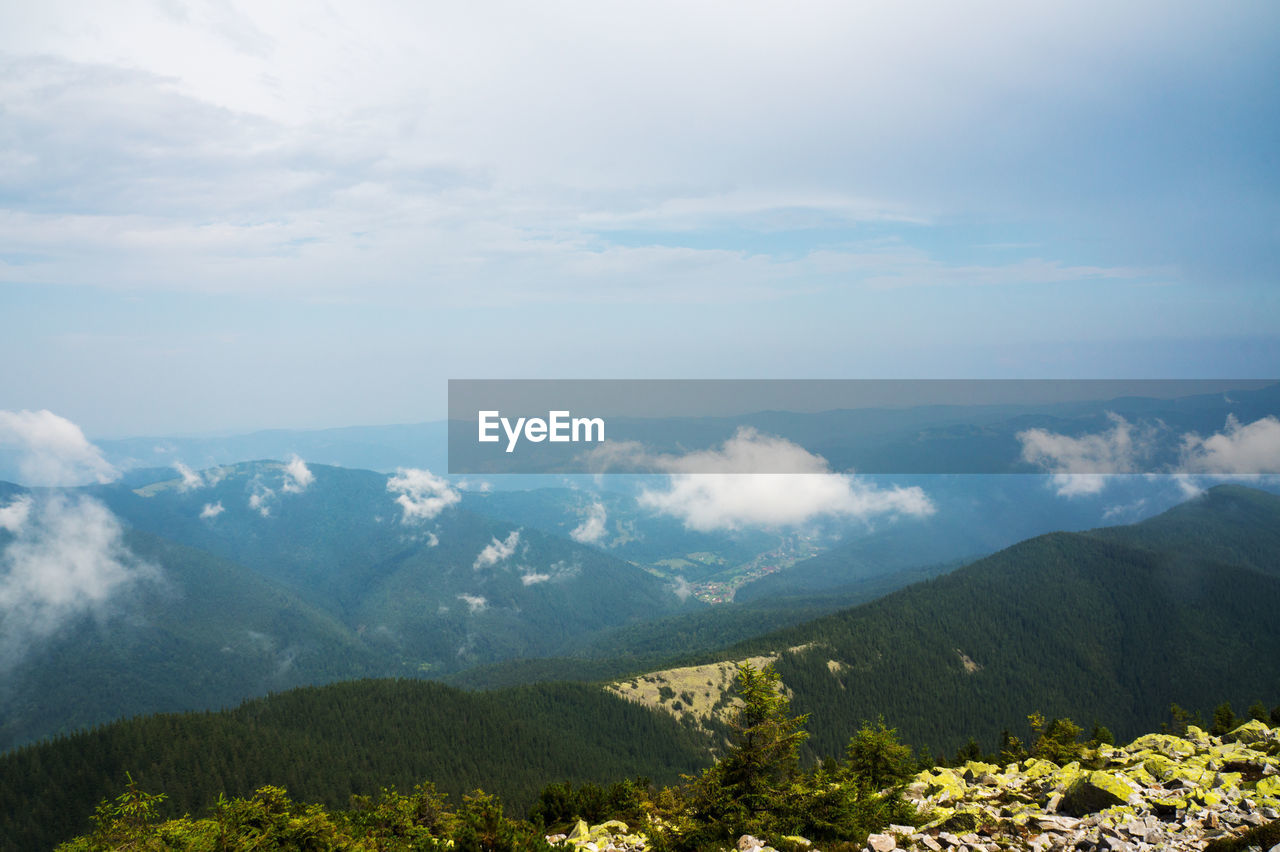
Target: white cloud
{"type": "Point", "coordinates": [1085, 465]}
{"type": "Point", "coordinates": [1081, 465]}
{"type": "Point", "coordinates": [708, 501]}
{"type": "Point", "coordinates": [14, 516]}
{"type": "Point", "coordinates": [423, 495]}
{"type": "Point", "coordinates": [297, 476]}
{"type": "Point", "coordinates": [212, 510]}
{"type": "Point", "coordinates": [681, 589]}
{"type": "Point", "coordinates": [475, 603]}
{"type": "Point", "coordinates": [592, 529]}
{"type": "Point", "coordinates": [191, 479]}
{"type": "Point", "coordinates": [557, 572]}
{"type": "Point", "coordinates": [1252, 448]}
{"type": "Point", "coordinates": [54, 450]}
{"type": "Point", "coordinates": [497, 551]}
{"type": "Point", "coordinates": [67, 558]}
{"type": "Point", "coordinates": [260, 499]}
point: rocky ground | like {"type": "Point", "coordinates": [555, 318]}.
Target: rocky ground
{"type": "Point", "coordinates": [1160, 792]}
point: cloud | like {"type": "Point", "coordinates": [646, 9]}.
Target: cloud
{"type": "Point", "coordinates": [67, 558]}
{"type": "Point", "coordinates": [53, 450]}
{"type": "Point", "coordinates": [557, 572]}
{"type": "Point", "coordinates": [191, 480]}
{"type": "Point", "coordinates": [297, 476]}
{"type": "Point", "coordinates": [592, 529]}
{"type": "Point", "coordinates": [261, 497]}
{"type": "Point", "coordinates": [14, 516]}
{"type": "Point", "coordinates": [423, 495]}
{"type": "Point", "coordinates": [1253, 448]}
{"type": "Point", "coordinates": [681, 588]}
{"type": "Point", "coordinates": [496, 551]}
{"type": "Point", "coordinates": [475, 603]}
{"type": "Point", "coordinates": [211, 510]}
{"type": "Point", "coordinates": [726, 501]}
{"type": "Point", "coordinates": [1084, 465]}
{"type": "Point", "coordinates": [1081, 465]}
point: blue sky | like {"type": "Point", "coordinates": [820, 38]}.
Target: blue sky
{"type": "Point", "coordinates": [222, 215]}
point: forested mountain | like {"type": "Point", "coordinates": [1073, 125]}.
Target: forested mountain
{"type": "Point", "coordinates": [328, 743]}
{"type": "Point", "coordinates": [975, 516]}
{"type": "Point", "coordinates": [260, 586]}
{"type": "Point", "coordinates": [1111, 625]}
{"type": "Point", "coordinates": [1114, 625]}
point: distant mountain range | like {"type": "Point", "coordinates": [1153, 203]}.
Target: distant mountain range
{"type": "Point", "coordinates": [1110, 625]}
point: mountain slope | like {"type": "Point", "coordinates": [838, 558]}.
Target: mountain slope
{"type": "Point", "coordinates": [207, 633]}
{"type": "Point", "coordinates": [330, 742]}
{"type": "Point", "coordinates": [1110, 625]}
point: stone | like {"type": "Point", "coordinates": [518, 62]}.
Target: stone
{"type": "Point", "coordinates": [1251, 731]}
{"type": "Point", "coordinates": [882, 843]}
{"type": "Point", "coordinates": [747, 843]}
{"type": "Point", "coordinates": [1094, 791]}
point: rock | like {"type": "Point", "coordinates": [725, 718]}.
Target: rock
{"type": "Point", "coordinates": [747, 843]}
{"type": "Point", "coordinates": [1094, 791]}
{"type": "Point", "coordinates": [581, 833]}
{"type": "Point", "coordinates": [882, 843]}
{"type": "Point", "coordinates": [1251, 731]}
{"type": "Point", "coordinates": [929, 843]}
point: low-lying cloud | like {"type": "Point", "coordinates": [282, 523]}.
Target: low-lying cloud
{"type": "Point", "coordinates": [1238, 449]}
{"type": "Point", "coordinates": [707, 501]}
{"type": "Point", "coordinates": [1081, 464]}
{"type": "Point", "coordinates": [497, 551]}
{"type": "Point", "coordinates": [67, 558]}
{"type": "Point", "coordinates": [592, 530]}
{"type": "Point", "coordinates": [212, 510]}
{"type": "Point", "coordinates": [53, 450]}
{"type": "Point", "coordinates": [475, 603]}
{"type": "Point", "coordinates": [422, 494]}
{"type": "Point", "coordinates": [297, 476]}
{"type": "Point", "coordinates": [1084, 465]}
{"type": "Point", "coordinates": [191, 480]}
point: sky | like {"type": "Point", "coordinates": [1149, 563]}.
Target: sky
{"type": "Point", "coordinates": [220, 216]}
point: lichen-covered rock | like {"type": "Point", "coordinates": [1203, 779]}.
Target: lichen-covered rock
{"type": "Point", "coordinates": [1251, 731]}
{"type": "Point", "coordinates": [1095, 791]}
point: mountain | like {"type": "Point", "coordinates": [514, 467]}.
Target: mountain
{"type": "Point", "coordinates": [1113, 625]}
{"type": "Point", "coordinates": [258, 586]}
{"type": "Point", "coordinates": [209, 633]}
{"type": "Point", "coordinates": [331, 742]}
{"type": "Point", "coordinates": [442, 593]}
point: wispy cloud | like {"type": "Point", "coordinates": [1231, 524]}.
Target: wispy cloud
{"type": "Point", "coordinates": [297, 476]}
{"type": "Point", "coordinates": [1085, 464]}
{"type": "Point", "coordinates": [1081, 464]}
{"type": "Point", "coordinates": [67, 558]}
{"type": "Point", "coordinates": [708, 501]}
{"type": "Point", "coordinates": [212, 510]}
{"type": "Point", "coordinates": [592, 530]}
{"type": "Point", "coordinates": [1252, 448]}
{"type": "Point", "coordinates": [497, 551]}
{"type": "Point", "coordinates": [53, 450]}
{"type": "Point", "coordinates": [475, 603]}
{"type": "Point", "coordinates": [422, 495]}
